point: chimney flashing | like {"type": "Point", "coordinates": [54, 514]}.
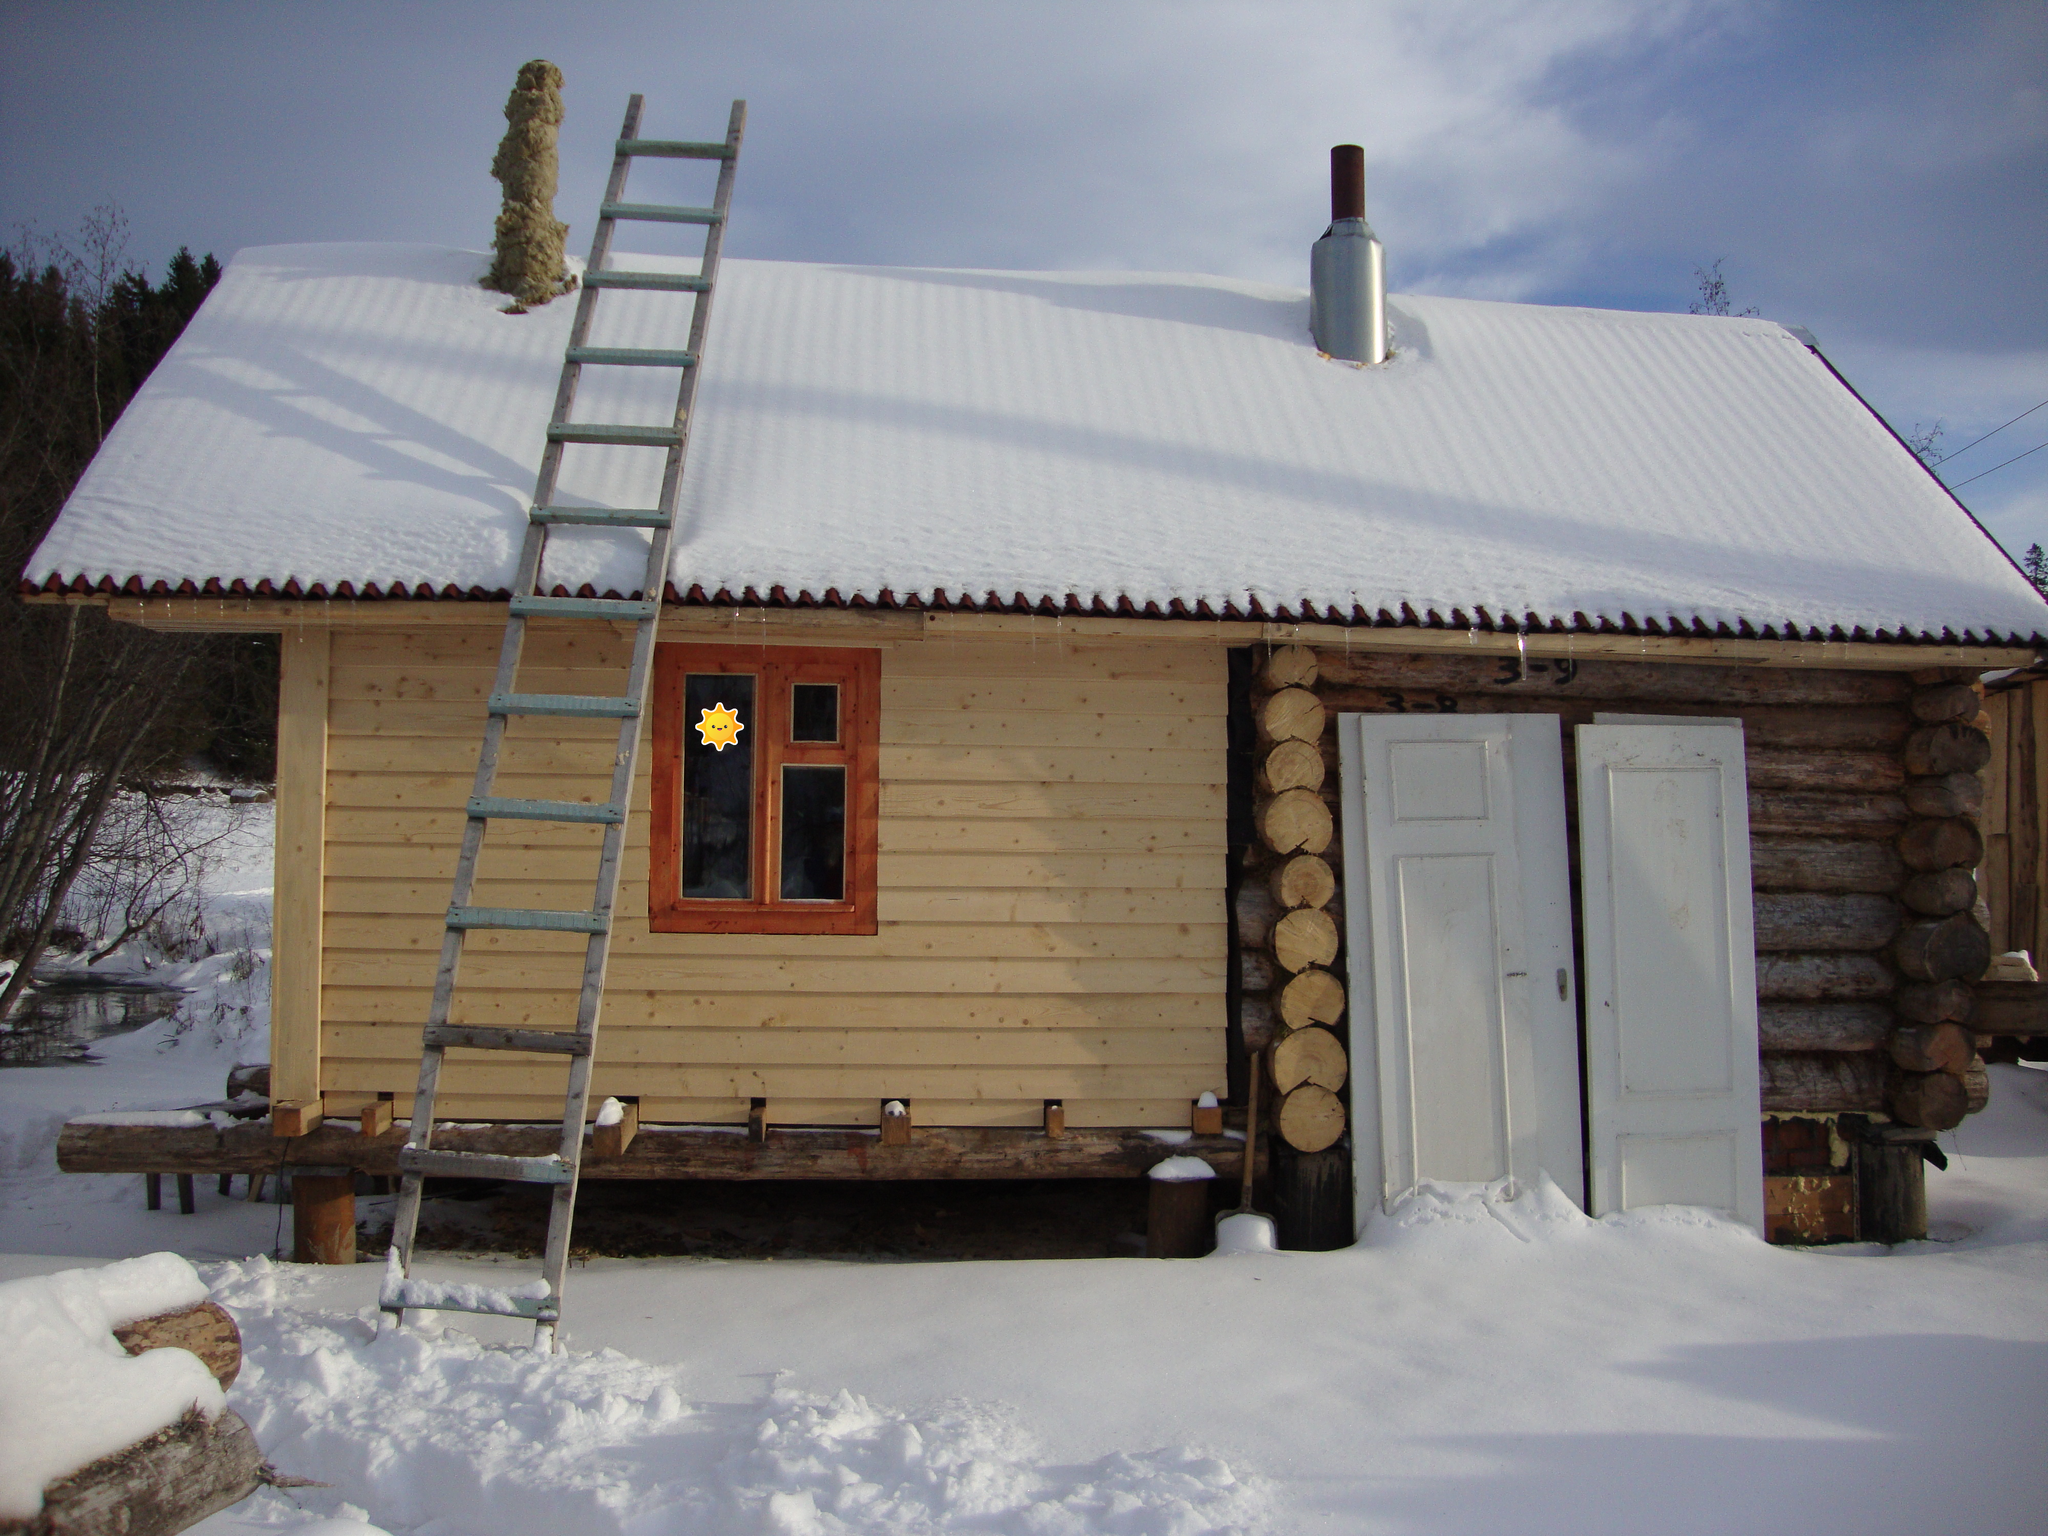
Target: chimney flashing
{"type": "Point", "coordinates": [1347, 270]}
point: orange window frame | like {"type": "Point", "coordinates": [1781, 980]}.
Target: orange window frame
{"type": "Point", "coordinates": [776, 671]}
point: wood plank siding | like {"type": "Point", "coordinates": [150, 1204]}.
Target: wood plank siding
{"type": "Point", "coordinates": [1051, 912]}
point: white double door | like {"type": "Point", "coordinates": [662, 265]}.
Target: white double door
{"type": "Point", "coordinates": [1465, 1011]}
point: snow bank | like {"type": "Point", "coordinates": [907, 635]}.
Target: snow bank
{"type": "Point", "coordinates": [433, 1429]}
{"type": "Point", "coordinates": [72, 1393]}
{"type": "Point", "coordinates": [364, 414]}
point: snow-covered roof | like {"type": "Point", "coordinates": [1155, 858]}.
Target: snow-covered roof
{"type": "Point", "coordinates": [364, 420]}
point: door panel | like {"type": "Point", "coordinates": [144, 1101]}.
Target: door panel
{"type": "Point", "coordinates": [1465, 1055]}
{"type": "Point", "coordinates": [1671, 1033]}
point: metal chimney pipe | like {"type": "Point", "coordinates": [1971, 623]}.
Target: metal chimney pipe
{"type": "Point", "coordinates": [1347, 182]}
{"type": "Point", "coordinates": [1347, 312]}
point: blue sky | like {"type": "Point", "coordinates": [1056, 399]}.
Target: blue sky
{"type": "Point", "coordinates": [1877, 172]}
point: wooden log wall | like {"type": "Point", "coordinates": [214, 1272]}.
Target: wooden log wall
{"type": "Point", "coordinates": [1864, 798]}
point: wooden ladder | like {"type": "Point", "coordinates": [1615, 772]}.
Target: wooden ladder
{"type": "Point", "coordinates": [418, 1161]}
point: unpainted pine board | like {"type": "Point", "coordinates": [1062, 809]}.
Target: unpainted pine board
{"type": "Point", "coordinates": [823, 974]}
{"type": "Point", "coordinates": [455, 755]}
{"type": "Point", "coordinates": [384, 717]}
{"type": "Point", "coordinates": [921, 835]}
{"type": "Point", "coordinates": [949, 1048]}
{"type": "Point", "coordinates": [303, 702]}
{"type": "Point", "coordinates": [975, 910]}
{"type": "Point", "coordinates": [402, 1008]}
{"type": "Point", "coordinates": [421, 933]}
{"type": "Point", "coordinates": [1090, 728]}
{"type": "Point", "coordinates": [499, 1073]}
{"type": "Point", "coordinates": [1097, 802]}
{"type": "Point", "coordinates": [1005, 696]}
{"type": "Point", "coordinates": [381, 853]}
{"type": "Point", "coordinates": [1150, 802]}
{"type": "Point", "coordinates": [1111, 660]}
{"type": "Point", "coordinates": [662, 1109]}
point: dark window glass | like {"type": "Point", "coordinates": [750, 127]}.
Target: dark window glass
{"type": "Point", "coordinates": [813, 833]}
{"type": "Point", "coordinates": [814, 712]}
{"type": "Point", "coordinates": [718, 787]}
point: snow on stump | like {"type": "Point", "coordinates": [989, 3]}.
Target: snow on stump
{"type": "Point", "coordinates": [114, 1416]}
{"type": "Point", "coordinates": [1177, 1224]}
{"type": "Point", "coordinates": [527, 260]}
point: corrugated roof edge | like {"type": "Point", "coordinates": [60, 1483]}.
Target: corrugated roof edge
{"type": "Point", "coordinates": [1477, 617]}
{"type": "Point", "coordinates": [1812, 344]}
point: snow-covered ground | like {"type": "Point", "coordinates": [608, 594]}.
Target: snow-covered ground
{"type": "Point", "coordinates": [1472, 1366]}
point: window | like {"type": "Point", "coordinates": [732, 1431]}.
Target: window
{"type": "Point", "coordinates": [765, 795]}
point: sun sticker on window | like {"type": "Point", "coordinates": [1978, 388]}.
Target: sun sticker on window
{"type": "Point", "coordinates": [719, 727]}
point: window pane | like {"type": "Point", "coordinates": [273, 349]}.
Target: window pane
{"type": "Point", "coordinates": [718, 786]}
{"type": "Point", "coordinates": [813, 834]}
{"type": "Point", "coordinates": [814, 712]}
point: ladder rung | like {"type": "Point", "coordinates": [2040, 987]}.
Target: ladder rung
{"type": "Point", "coordinates": [484, 1037]}
{"type": "Point", "coordinates": [563, 704]}
{"type": "Point", "coordinates": [631, 357]}
{"type": "Point", "coordinates": [667, 282]}
{"type": "Point", "coordinates": [527, 917]}
{"type": "Point", "coordinates": [584, 608]}
{"type": "Point", "coordinates": [488, 1304]}
{"type": "Point", "coordinates": [484, 1165]}
{"type": "Point", "coordinates": [543, 810]}
{"type": "Point", "coordinates": [603, 517]}
{"type": "Point", "coordinates": [674, 149]}
{"type": "Point", "coordinates": [657, 213]}
{"type": "Point", "coordinates": [617, 437]}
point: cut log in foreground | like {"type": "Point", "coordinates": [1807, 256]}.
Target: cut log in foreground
{"type": "Point", "coordinates": [665, 1152]}
{"type": "Point", "coordinates": [172, 1480]}
{"type": "Point", "coordinates": [206, 1330]}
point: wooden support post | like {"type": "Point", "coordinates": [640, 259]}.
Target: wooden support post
{"type": "Point", "coordinates": [1177, 1224]}
{"type": "Point", "coordinates": [612, 1140]}
{"type": "Point", "coordinates": [298, 878]}
{"type": "Point", "coordinates": [1312, 1199]}
{"type": "Point", "coordinates": [1055, 1118]}
{"type": "Point", "coordinates": [295, 1117]}
{"type": "Point", "coordinates": [323, 1218]}
{"type": "Point", "coordinates": [1206, 1119]}
{"type": "Point", "coordinates": [227, 1184]}
{"type": "Point", "coordinates": [895, 1122]}
{"type": "Point", "coordinates": [1892, 1192]}
{"type": "Point", "coordinates": [187, 1203]}
{"type": "Point", "coordinates": [153, 1191]}
{"type": "Point", "coordinates": [377, 1115]}
{"type": "Point", "coordinates": [757, 1120]}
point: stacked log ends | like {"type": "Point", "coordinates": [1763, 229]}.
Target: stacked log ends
{"type": "Point", "coordinates": [1303, 881]}
{"type": "Point", "coordinates": [1295, 821]}
{"type": "Point", "coordinates": [1309, 1056]}
{"type": "Point", "coordinates": [1300, 1017]}
{"type": "Point", "coordinates": [1946, 948]}
{"type": "Point", "coordinates": [1311, 1118]}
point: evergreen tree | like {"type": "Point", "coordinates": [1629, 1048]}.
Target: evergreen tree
{"type": "Point", "coordinates": [2035, 564]}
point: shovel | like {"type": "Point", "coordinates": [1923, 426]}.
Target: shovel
{"type": "Point", "coordinates": [1245, 1230]}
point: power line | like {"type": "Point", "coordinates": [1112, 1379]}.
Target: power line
{"type": "Point", "coordinates": [2023, 415]}
{"type": "Point", "coordinates": [1996, 467]}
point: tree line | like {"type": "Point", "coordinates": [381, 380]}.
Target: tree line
{"type": "Point", "coordinates": [102, 716]}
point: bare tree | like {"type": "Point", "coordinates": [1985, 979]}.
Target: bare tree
{"type": "Point", "coordinates": [1713, 293]}
{"type": "Point", "coordinates": [93, 705]}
